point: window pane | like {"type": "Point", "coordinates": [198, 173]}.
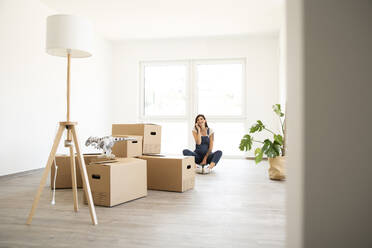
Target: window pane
{"type": "Point", "coordinates": [165, 90]}
{"type": "Point", "coordinates": [227, 137]}
{"type": "Point", "coordinates": [220, 89]}
{"type": "Point", "coordinates": [173, 137]}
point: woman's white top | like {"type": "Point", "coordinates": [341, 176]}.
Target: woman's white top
{"type": "Point", "coordinates": [210, 131]}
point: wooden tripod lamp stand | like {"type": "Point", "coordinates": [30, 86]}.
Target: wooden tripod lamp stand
{"type": "Point", "coordinates": [71, 37]}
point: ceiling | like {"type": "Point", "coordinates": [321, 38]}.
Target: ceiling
{"type": "Point", "coordinates": [157, 19]}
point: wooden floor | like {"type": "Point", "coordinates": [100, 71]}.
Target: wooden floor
{"type": "Point", "coordinates": [235, 206]}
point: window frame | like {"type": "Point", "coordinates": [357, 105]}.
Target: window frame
{"type": "Point", "coordinates": [192, 95]}
{"type": "Point", "coordinates": [142, 88]}
{"type": "Point", "coordinates": [243, 89]}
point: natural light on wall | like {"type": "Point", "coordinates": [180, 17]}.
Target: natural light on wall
{"type": "Point", "coordinates": [174, 92]}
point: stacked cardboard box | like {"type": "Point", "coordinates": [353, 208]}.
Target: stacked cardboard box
{"type": "Point", "coordinates": [63, 178]}
{"type": "Point", "coordinates": [170, 173]}
{"type": "Point", "coordinates": [150, 133]}
{"type": "Point", "coordinates": [117, 181]}
{"type": "Point", "coordinates": [126, 178]}
{"type": "Point", "coordinates": [128, 148]}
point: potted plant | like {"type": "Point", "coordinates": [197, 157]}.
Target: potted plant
{"type": "Point", "coordinates": [273, 148]}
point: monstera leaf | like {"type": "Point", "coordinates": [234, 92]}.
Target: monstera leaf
{"type": "Point", "coordinates": [269, 148]}
{"type": "Point", "coordinates": [273, 148]}
{"type": "Point", "coordinates": [278, 110]}
{"type": "Point", "coordinates": [246, 143]}
{"type": "Point", "coordinates": [259, 126]}
{"type": "Point", "coordinates": [278, 138]}
{"type": "Point", "coordinates": [258, 153]}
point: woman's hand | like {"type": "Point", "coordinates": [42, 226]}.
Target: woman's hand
{"type": "Point", "coordinates": [204, 161]}
{"type": "Point", "coordinates": [197, 127]}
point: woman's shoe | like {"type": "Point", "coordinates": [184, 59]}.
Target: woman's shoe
{"type": "Point", "coordinates": [206, 169]}
{"type": "Point", "coordinates": [199, 169]}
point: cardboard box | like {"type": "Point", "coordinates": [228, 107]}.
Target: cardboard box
{"type": "Point", "coordinates": [151, 134]}
{"type": "Point", "coordinates": [116, 182]}
{"type": "Point", "coordinates": [63, 179]}
{"type": "Point", "coordinates": [170, 173]}
{"type": "Point", "coordinates": [128, 148]}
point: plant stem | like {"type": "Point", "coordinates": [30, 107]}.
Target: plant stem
{"type": "Point", "coordinates": [281, 123]}
{"type": "Point", "coordinates": [258, 141]}
{"type": "Point", "coordinates": [269, 131]}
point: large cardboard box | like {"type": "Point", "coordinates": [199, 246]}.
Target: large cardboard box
{"type": "Point", "coordinates": [128, 148]}
{"type": "Point", "coordinates": [170, 173]}
{"type": "Point", "coordinates": [151, 134]}
{"type": "Point", "coordinates": [63, 179]}
{"type": "Point", "coordinates": [118, 181]}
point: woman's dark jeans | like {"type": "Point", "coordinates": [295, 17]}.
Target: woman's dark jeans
{"type": "Point", "coordinates": [213, 157]}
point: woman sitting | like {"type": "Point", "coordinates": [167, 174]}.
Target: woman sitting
{"type": "Point", "coordinates": [204, 137]}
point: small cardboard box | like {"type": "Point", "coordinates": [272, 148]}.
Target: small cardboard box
{"type": "Point", "coordinates": [151, 134]}
{"type": "Point", "coordinates": [170, 173]}
{"type": "Point", "coordinates": [118, 181]}
{"type": "Point", "coordinates": [63, 179]}
{"type": "Point", "coordinates": [128, 148]}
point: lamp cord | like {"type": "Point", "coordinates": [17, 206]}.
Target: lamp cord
{"type": "Point", "coordinates": [54, 183]}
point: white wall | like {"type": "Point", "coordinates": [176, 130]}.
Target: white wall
{"type": "Point", "coordinates": [33, 88]}
{"type": "Point", "coordinates": [329, 148]}
{"type": "Point", "coordinates": [261, 53]}
{"type": "Point", "coordinates": [283, 61]}
{"type": "Point", "coordinates": [295, 125]}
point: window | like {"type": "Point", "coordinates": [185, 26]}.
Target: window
{"type": "Point", "coordinates": [165, 90]}
{"type": "Point", "coordinates": [174, 92]}
{"type": "Point", "coordinates": [220, 84]}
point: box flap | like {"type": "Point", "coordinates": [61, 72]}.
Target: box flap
{"type": "Point", "coordinates": [105, 162]}
{"type": "Point", "coordinates": [153, 155]}
{"type": "Point", "coordinates": [137, 137]}
{"type": "Point", "coordinates": [164, 156]}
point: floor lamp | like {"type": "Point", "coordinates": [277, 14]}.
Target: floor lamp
{"type": "Point", "coordinates": [71, 37]}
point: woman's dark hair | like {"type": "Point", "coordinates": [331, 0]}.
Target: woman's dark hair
{"type": "Point", "coordinates": [196, 120]}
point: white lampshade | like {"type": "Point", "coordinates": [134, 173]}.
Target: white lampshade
{"type": "Point", "coordinates": [69, 34]}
